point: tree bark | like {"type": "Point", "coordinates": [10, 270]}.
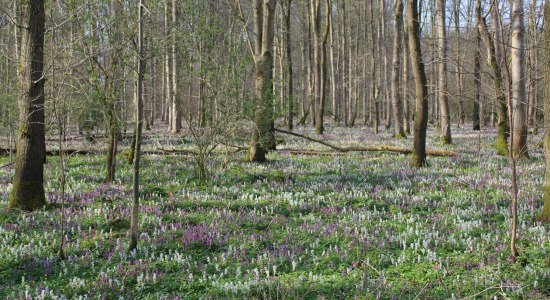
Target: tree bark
{"type": "Point", "coordinates": [503, 129]}
{"type": "Point", "coordinates": [519, 126]}
{"type": "Point", "coordinates": [445, 117]}
{"type": "Point", "coordinates": [546, 209]}
{"type": "Point", "coordinates": [28, 182]}
{"type": "Point", "coordinates": [262, 133]}
{"type": "Point", "coordinates": [138, 129]}
{"type": "Point", "coordinates": [396, 93]}
{"type": "Point", "coordinates": [421, 111]}
{"type": "Point", "coordinates": [477, 72]}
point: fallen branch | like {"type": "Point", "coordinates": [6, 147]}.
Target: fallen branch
{"type": "Point", "coordinates": [401, 150]}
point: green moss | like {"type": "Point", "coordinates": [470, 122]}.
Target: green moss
{"type": "Point", "coordinates": [445, 140]}
{"type": "Point", "coordinates": [27, 196]}
{"type": "Point", "coordinates": [546, 209]}
{"type": "Point", "coordinates": [502, 145]}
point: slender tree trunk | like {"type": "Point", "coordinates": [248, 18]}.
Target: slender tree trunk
{"type": "Point", "coordinates": [333, 73]}
{"type": "Point", "coordinates": [387, 97]}
{"type": "Point", "coordinates": [138, 129]}
{"type": "Point", "coordinates": [290, 75]}
{"type": "Point", "coordinates": [406, 105]}
{"type": "Point", "coordinates": [546, 209]}
{"type": "Point", "coordinates": [477, 73]}
{"type": "Point", "coordinates": [458, 66]}
{"type": "Point", "coordinates": [396, 93]}
{"type": "Point", "coordinates": [176, 107]}
{"type": "Point", "coordinates": [421, 114]}
{"type": "Point", "coordinates": [28, 182]}
{"type": "Point", "coordinates": [445, 116]}
{"type": "Point", "coordinates": [374, 73]}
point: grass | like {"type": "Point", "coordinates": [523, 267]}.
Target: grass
{"type": "Point", "coordinates": [361, 226]}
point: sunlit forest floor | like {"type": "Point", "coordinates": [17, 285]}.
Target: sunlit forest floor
{"type": "Point", "coordinates": [361, 225]}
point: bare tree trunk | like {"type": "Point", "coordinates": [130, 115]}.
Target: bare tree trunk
{"type": "Point", "coordinates": [290, 79]}
{"type": "Point", "coordinates": [445, 117]}
{"type": "Point", "coordinates": [421, 114]}
{"type": "Point", "coordinates": [477, 73]}
{"type": "Point", "coordinates": [138, 129]}
{"type": "Point", "coordinates": [28, 181]}
{"type": "Point", "coordinates": [406, 105]}
{"type": "Point", "coordinates": [167, 65]}
{"type": "Point", "coordinates": [503, 129]}
{"type": "Point", "coordinates": [387, 111]}
{"type": "Point", "coordinates": [519, 144]}
{"type": "Point", "coordinates": [262, 134]}
{"type": "Point", "coordinates": [458, 68]}
{"type": "Point", "coordinates": [333, 74]}
{"type": "Point", "coordinates": [546, 209]}
{"type": "Point", "coordinates": [374, 73]}
{"type": "Point", "coordinates": [319, 58]}
{"type": "Point", "coordinates": [176, 107]}
{"type": "Point", "coordinates": [396, 94]}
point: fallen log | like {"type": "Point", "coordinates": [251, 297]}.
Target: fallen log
{"type": "Point", "coordinates": [70, 152]}
{"type": "Point", "coordinates": [432, 152]}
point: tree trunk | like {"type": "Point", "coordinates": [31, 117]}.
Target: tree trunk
{"type": "Point", "coordinates": [421, 113]}
{"type": "Point", "coordinates": [445, 117]}
{"type": "Point", "coordinates": [477, 73]}
{"type": "Point", "coordinates": [262, 133]}
{"type": "Point", "coordinates": [405, 85]}
{"type": "Point", "coordinates": [503, 129]}
{"type": "Point", "coordinates": [28, 182]}
{"type": "Point", "coordinates": [290, 75]}
{"type": "Point", "coordinates": [396, 93]}
{"type": "Point", "coordinates": [138, 129]}
{"type": "Point", "coordinates": [176, 109]}
{"type": "Point", "coordinates": [458, 67]}
{"type": "Point", "coordinates": [546, 209]}
{"type": "Point", "coordinates": [519, 126]}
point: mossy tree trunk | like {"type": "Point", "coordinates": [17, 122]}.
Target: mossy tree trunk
{"type": "Point", "coordinates": [262, 133]}
{"type": "Point", "coordinates": [28, 182]}
{"type": "Point", "coordinates": [503, 129]}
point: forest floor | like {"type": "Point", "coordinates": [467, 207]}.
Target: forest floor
{"type": "Point", "coordinates": [361, 225]}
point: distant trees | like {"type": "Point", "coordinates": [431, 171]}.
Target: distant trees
{"type": "Point", "coordinates": [28, 182]}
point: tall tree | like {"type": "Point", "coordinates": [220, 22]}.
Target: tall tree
{"type": "Point", "coordinates": [28, 182]}
{"type": "Point", "coordinates": [396, 91]}
{"type": "Point", "coordinates": [320, 34]}
{"type": "Point", "coordinates": [458, 66]}
{"type": "Point", "coordinates": [262, 133]}
{"type": "Point", "coordinates": [445, 116]}
{"type": "Point", "coordinates": [176, 106]}
{"type": "Point", "coordinates": [546, 209]}
{"type": "Point", "coordinates": [421, 110]}
{"type": "Point", "coordinates": [502, 134]}
{"type": "Point", "coordinates": [138, 128]}
{"type": "Point", "coordinates": [290, 76]}
{"type": "Point", "coordinates": [519, 122]}
{"type": "Point", "coordinates": [477, 72]}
